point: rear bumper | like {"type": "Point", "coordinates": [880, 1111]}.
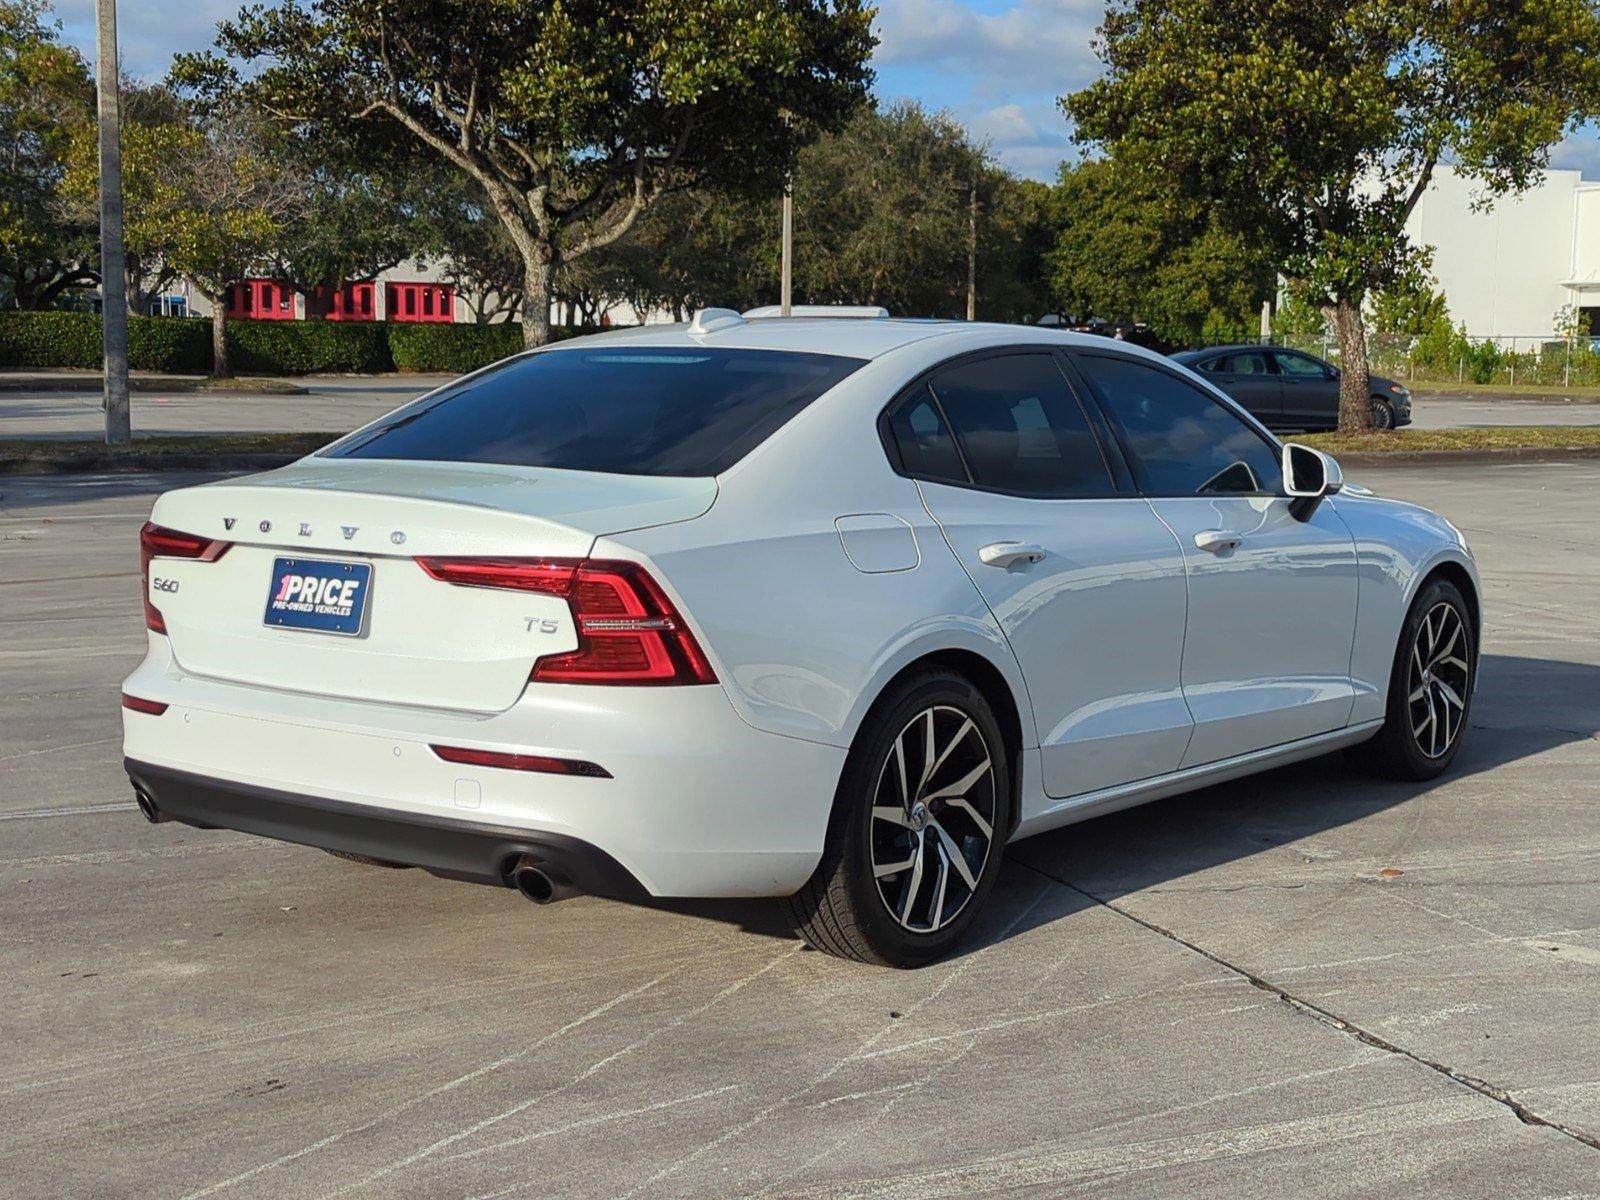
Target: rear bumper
{"type": "Point", "coordinates": [699, 803]}
{"type": "Point", "coordinates": [456, 849]}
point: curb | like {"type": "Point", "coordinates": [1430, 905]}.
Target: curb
{"type": "Point", "coordinates": [1505, 397]}
{"type": "Point", "coordinates": [103, 462]}
{"type": "Point", "coordinates": [92, 386]}
{"type": "Point", "coordinates": [1510, 454]}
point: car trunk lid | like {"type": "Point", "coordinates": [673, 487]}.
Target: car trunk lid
{"type": "Point", "coordinates": [419, 640]}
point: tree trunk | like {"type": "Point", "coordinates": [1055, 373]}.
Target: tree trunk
{"type": "Point", "coordinates": [221, 368]}
{"type": "Point", "coordinates": [538, 273]}
{"type": "Point", "coordinates": [1355, 389]}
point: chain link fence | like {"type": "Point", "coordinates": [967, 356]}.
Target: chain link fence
{"type": "Point", "coordinates": [1543, 359]}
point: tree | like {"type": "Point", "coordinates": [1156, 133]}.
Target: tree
{"type": "Point", "coordinates": [1014, 241]}
{"type": "Point", "coordinates": [356, 211]}
{"type": "Point", "coordinates": [1317, 124]}
{"type": "Point", "coordinates": [476, 254]}
{"type": "Point", "coordinates": [45, 96]}
{"type": "Point", "coordinates": [154, 125]}
{"type": "Point", "coordinates": [696, 250]}
{"type": "Point", "coordinates": [221, 206]}
{"type": "Point", "coordinates": [1129, 248]}
{"type": "Point", "coordinates": [881, 212]}
{"type": "Point", "coordinates": [573, 118]}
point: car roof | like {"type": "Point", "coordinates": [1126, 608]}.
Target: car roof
{"type": "Point", "coordinates": [1230, 348]}
{"type": "Point", "coordinates": [853, 337]}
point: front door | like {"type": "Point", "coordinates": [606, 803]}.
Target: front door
{"type": "Point", "coordinates": [1086, 581]}
{"type": "Point", "coordinates": [1272, 599]}
{"type": "Point", "coordinates": [1310, 391]}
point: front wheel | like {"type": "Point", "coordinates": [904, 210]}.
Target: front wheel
{"type": "Point", "coordinates": [1382, 413]}
{"type": "Point", "coordinates": [920, 818]}
{"type": "Point", "coordinates": [1430, 688]}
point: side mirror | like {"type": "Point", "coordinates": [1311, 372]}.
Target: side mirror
{"type": "Point", "coordinates": [1332, 372]}
{"type": "Point", "coordinates": [1308, 476]}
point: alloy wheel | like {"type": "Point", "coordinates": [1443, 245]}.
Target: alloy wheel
{"type": "Point", "coordinates": [1382, 415]}
{"type": "Point", "coordinates": [1439, 680]}
{"type": "Point", "coordinates": [933, 815]}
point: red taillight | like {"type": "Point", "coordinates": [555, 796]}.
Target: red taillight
{"type": "Point", "coordinates": [156, 542]}
{"type": "Point", "coordinates": [521, 762]}
{"type": "Point", "coordinates": [628, 630]}
{"type": "Point", "coordinates": [139, 704]}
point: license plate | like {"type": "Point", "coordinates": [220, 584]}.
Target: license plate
{"type": "Point", "coordinates": [319, 595]}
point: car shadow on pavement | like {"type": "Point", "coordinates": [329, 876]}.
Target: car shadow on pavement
{"type": "Point", "coordinates": [1523, 708]}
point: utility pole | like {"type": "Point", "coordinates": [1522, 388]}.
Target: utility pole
{"type": "Point", "coordinates": [113, 268]}
{"type": "Point", "coordinates": [786, 283]}
{"type": "Point", "coordinates": [972, 251]}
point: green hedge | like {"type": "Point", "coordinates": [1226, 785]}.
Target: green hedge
{"type": "Point", "coordinates": [42, 340]}
{"type": "Point", "coordinates": [451, 349]}
{"type": "Point", "coordinates": [182, 345]}
{"type": "Point", "coordinates": [309, 347]}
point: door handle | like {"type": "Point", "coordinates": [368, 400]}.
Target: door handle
{"type": "Point", "coordinates": [1217, 540]}
{"type": "Point", "coordinates": [1004, 554]}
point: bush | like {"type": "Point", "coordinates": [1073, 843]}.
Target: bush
{"type": "Point", "coordinates": [182, 345]}
{"type": "Point", "coordinates": [44, 340]}
{"type": "Point", "coordinates": [451, 349]}
{"type": "Point", "coordinates": [309, 347]}
{"type": "Point", "coordinates": [456, 349]}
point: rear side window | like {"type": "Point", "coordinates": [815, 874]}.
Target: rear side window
{"type": "Point", "coordinates": [1185, 443]}
{"type": "Point", "coordinates": [1020, 427]}
{"type": "Point", "coordinates": [927, 451]}
{"type": "Point", "coordinates": [626, 409]}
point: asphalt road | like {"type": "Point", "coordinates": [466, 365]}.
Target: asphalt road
{"type": "Point", "coordinates": [1307, 984]}
{"type": "Point", "coordinates": [338, 404]}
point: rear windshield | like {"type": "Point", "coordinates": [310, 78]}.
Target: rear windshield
{"type": "Point", "coordinates": [628, 410]}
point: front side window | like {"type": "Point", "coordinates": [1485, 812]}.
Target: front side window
{"type": "Point", "coordinates": [1245, 363]}
{"type": "Point", "coordinates": [1020, 428]}
{"type": "Point", "coordinates": [628, 410]}
{"type": "Point", "coordinates": [1185, 443]}
{"type": "Point", "coordinates": [1300, 365]}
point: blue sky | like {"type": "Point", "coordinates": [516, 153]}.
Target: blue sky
{"type": "Point", "coordinates": [997, 65]}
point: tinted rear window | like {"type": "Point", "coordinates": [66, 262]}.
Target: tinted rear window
{"type": "Point", "coordinates": [629, 410]}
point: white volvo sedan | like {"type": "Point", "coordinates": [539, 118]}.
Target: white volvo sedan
{"type": "Point", "coordinates": [827, 609]}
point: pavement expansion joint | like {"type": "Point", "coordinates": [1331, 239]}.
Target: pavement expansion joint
{"type": "Point", "coordinates": [1332, 1020]}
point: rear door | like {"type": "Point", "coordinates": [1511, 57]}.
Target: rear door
{"type": "Point", "coordinates": [1086, 582]}
{"type": "Point", "coordinates": [1310, 391]}
{"type": "Point", "coordinates": [1272, 599]}
{"type": "Point", "coordinates": [1248, 377]}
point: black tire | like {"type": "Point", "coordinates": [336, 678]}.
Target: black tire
{"type": "Point", "coordinates": [843, 909]}
{"type": "Point", "coordinates": [1399, 750]}
{"type": "Point", "coordinates": [364, 860]}
{"type": "Point", "coordinates": [1382, 413]}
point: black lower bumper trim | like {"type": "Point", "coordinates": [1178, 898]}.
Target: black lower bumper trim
{"type": "Point", "coordinates": [445, 846]}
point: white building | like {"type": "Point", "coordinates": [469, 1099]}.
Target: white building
{"type": "Point", "coordinates": [1507, 270]}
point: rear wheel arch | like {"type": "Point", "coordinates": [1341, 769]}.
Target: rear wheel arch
{"type": "Point", "coordinates": [990, 682]}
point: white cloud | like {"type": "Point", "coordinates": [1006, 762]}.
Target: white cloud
{"type": "Point", "coordinates": [1034, 44]}
{"type": "Point", "coordinates": [1579, 151]}
{"type": "Point", "coordinates": [997, 67]}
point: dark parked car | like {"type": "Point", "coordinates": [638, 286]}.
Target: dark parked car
{"type": "Point", "coordinates": [1289, 389]}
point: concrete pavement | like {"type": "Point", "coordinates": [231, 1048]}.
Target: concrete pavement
{"type": "Point", "coordinates": [1306, 983]}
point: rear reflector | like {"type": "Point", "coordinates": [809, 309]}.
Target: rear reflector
{"type": "Point", "coordinates": [157, 542]}
{"type": "Point", "coordinates": [519, 762]}
{"type": "Point", "coordinates": [139, 704]}
{"type": "Point", "coordinates": [629, 632]}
